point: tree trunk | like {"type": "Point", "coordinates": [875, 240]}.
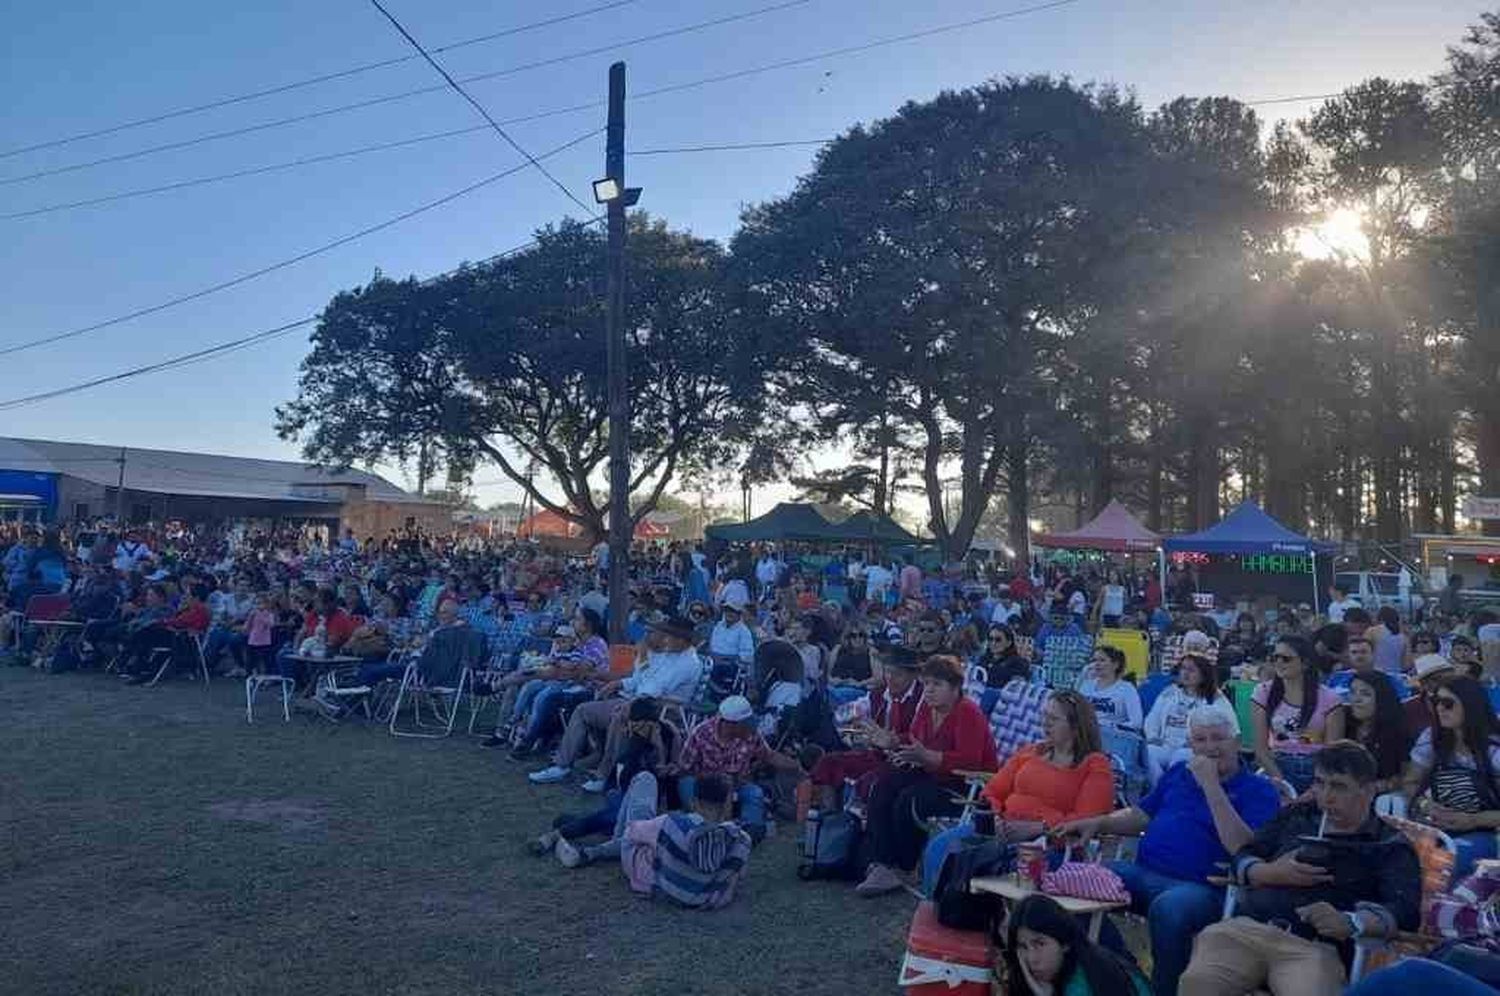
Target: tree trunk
{"type": "Point", "coordinates": [1018, 501]}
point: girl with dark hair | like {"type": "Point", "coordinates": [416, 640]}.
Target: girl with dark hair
{"type": "Point", "coordinates": [1377, 722]}
{"type": "Point", "coordinates": [1294, 715]}
{"type": "Point", "coordinates": [1047, 953]}
{"type": "Point", "coordinates": [1116, 701]}
{"type": "Point", "coordinates": [1001, 659]}
{"type": "Point", "coordinates": [1456, 762]}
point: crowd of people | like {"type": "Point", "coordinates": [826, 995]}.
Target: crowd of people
{"type": "Point", "coordinates": [757, 684]}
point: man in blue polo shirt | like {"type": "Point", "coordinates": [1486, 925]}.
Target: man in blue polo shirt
{"type": "Point", "coordinates": [1201, 812]}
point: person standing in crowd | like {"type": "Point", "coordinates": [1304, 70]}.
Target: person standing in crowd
{"type": "Point", "coordinates": [1194, 818]}
{"type": "Point", "coordinates": [1361, 655]}
{"type": "Point", "coordinates": [1293, 715]}
{"type": "Point", "coordinates": [1339, 603]}
{"type": "Point", "coordinates": [910, 581]}
{"type": "Point", "coordinates": [1456, 764]}
{"type": "Point", "coordinates": [1316, 877]}
{"type": "Point", "coordinates": [949, 734]}
{"type": "Point", "coordinates": [1166, 726]}
{"type": "Point", "coordinates": [1392, 647]}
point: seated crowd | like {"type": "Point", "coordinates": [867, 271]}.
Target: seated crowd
{"type": "Point", "coordinates": [1262, 858]}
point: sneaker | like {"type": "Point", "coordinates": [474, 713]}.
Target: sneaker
{"type": "Point", "coordinates": [880, 880]}
{"type": "Point", "coordinates": [549, 775]}
{"type": "Point", "coordinates": [493, 741]}
{"type": "Point", "coordinates": [568, 855]}
{"type": "Point", "coordinates": [594, 785]}
{"type": "Point", "coordinates": [545, 843]}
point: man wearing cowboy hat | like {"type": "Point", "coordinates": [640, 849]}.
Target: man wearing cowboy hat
{"type": "Point", "coordinates": [669, 672]}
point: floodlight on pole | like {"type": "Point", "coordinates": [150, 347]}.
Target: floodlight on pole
{"type": "Point", "coordinates": [606, 190]}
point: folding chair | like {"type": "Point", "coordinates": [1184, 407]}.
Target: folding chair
{"type": "Point", "coordinates": [43, 609]}
{"type": "Point", "coordinates": [439, 679]}
{"type": "Point", "coordinates": [253, 685]}
{"type": "Point", "coordinates": [188, 643]}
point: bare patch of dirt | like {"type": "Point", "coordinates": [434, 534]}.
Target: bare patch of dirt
{"type": "Point", "coordinates": [290, 815]}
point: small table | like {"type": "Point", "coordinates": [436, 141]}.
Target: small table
{"type": "Point", "coordinates": [1007, 887]}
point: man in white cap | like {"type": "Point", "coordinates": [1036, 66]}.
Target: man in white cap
{"type": "Point", "coordinates": [729, 745]}
{"type": "Point", "coordinates": [730, 638]}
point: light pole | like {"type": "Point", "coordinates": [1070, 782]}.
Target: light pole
{"type": "Point", "coordinates": [612, 192]}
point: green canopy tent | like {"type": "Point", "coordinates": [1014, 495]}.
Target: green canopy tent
{"type": "Point", "coordinates": [788, 522]}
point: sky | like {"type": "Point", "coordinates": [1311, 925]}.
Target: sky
{"type": "Point", "coordinates": [68, 67]}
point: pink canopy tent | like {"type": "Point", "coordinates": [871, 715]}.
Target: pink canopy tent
{"type": "Point", "coordinates": [1113, 529]}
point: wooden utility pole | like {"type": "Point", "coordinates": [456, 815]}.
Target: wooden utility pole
{"type": "Point", "coordinates": [617, 374]}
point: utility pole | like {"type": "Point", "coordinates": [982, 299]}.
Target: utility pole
{"type": "Point", "coordinates": [120, 491]}
{"type": "Point", "coordinates": [617, 374]}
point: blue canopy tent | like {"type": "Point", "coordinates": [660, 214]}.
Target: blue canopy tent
{"type": "Point", "coordinates": [1258, 540]}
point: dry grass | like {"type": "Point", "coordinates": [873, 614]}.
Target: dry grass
{"type": "Point", "coordinates": [152, 842]}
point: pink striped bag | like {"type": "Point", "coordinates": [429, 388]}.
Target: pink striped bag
{"type": "Point", "coordinates": [1085, 881]}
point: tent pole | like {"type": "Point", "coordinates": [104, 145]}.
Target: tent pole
{"type": "Point", "coordinates": [1316, 609]}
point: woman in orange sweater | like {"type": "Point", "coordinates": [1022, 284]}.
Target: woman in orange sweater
{"type": "Point", "coordinates": [1065, 777]}
{"type": "Point", "coordinates": [948, 734]}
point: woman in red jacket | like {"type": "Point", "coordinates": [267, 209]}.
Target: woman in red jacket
{"type": "Point", "coordinates": [949, 734]}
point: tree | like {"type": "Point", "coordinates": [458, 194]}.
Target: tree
{"type": "Point", "coordinates": [927, 264]}
{"type": "Point", "coordinates": [508, 357]}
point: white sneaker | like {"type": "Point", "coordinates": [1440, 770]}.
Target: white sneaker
{"type": "Point", "coordinates": [567, 855]}
{"type": "Point", "coordinates": [549, 775]}
{"type": "Point", "coordinates": [594, 785]}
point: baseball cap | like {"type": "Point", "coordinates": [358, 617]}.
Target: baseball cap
{"type": "Point", "coordinates": [735, 709]}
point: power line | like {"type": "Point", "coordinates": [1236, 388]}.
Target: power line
{"type": "Point", "coordinates": [389, 98]}
{"type": "Point", "coordinates": [226, 347]}
{"type": "Point", "coordinates": [282, 264]}
{"type": "Point", "coordinates": [479, 107]}
{"type": "Point", "coordinates": [309, 81]}
{"type": "Point", "coordinates": [735, 147]}
{"type": "Point", "coordinates": [350, 153]}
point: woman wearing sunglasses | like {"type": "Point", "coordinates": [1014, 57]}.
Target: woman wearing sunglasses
{"type": "Point", "coordinates": [849, 670]}
{"type": "Point", "coordinates": [1294, 715]}
{"type": "Point", "coordinates": [1455, 762]}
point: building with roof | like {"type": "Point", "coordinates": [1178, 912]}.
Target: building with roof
{"type": "Point", "coordinates": [50, 481]}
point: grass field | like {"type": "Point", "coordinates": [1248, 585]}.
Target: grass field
{"type": "Point", "coordinates": [153, 842]}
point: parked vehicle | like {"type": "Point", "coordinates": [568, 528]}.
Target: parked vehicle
{"type": "Point", "coordinates": [1373, 590]}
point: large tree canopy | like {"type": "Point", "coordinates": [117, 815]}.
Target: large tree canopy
{"type": "Point", "coordinates": [927, 265]}
{"type": "Point", "coordinates": [507, 359]}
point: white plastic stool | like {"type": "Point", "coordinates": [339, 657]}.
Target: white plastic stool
{"type": "Point", "coordinates": [252, 688]}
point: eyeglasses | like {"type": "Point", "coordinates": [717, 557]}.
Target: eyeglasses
{"type": "Point", "coordinates": [1445, 702]}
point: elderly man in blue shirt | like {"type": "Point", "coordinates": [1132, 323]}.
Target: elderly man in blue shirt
{"type": "Point", "coordinates": [1202, 811]}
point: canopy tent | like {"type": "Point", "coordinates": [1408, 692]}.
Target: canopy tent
{"type": "Point", "coordinates": [1248, 529]}
{"type": "Point", "coordinates": [1113, 529]}
{"type": "Point", "coordinates": [1262, 544]}
{"type": "Point", "coordinates": [787, 522]}
{"type": "Point", "coordinates": [867, 527]}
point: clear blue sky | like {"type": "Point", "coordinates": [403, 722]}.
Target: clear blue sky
{"type": "Point", "coordinates": [68, 67]}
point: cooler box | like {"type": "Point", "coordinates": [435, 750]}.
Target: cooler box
{"type": "Point", "coordinates": [941, 961]}
{"type": "Point", "coordinates": [1134, 644]}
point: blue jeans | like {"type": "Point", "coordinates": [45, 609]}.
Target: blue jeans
{"type": "Point", "coordinates": [844, 694]}
{"type": "Point", "coordinates": [1175, 911]}
{"type": "Point", "coordinates": [601, 820]}
{"type": "Point", "coordinates": [373, 674]}
{"type": "Point", "coordinates": [527, 696]}
{"type": "Point", "coordinates": [1470, 848]}
{"type": "Point", "coordinates": [752, 802]}
{"type": "Point", "coordinates": [1418, 975]}
{"type": "Point", "coordinates": [547, 707]}
{"type": "Point", "coordinates": [220, 640]}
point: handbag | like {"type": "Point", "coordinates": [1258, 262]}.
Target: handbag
{"type": "Point", "coordinates": [1083, 880]}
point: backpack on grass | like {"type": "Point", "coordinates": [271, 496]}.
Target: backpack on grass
{"type": "Point", "coordinates": [832, 848]}
{"type": "Point", "coordinates": [956, 906]}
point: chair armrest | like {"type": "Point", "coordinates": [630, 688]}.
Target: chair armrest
{"type": "Point", "coordinates": [975, 776]}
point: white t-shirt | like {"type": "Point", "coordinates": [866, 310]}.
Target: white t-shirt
{"type": "Point", "coordinates": [1114, 600]}
{"type": "Point", "coordinates": [128, 553]}
{"type": "Point", "coordinates": [1004, 614]}
{"type": "Point", "coordinates": [1119, 705]}
{"type": "Point", "coordinates": [1336, 610]}
{"type": "Point", "coordinates": [877, 580]}
{"type": "Point", "coordinates": [1167, 722]}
